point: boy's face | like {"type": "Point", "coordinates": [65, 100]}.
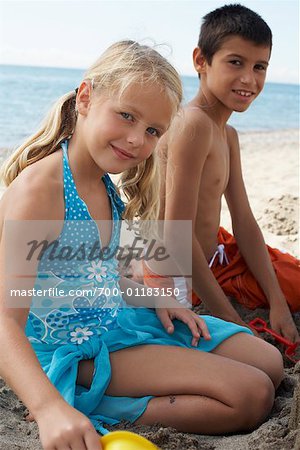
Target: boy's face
{"type": "Point", "coordinates": [237, 73]}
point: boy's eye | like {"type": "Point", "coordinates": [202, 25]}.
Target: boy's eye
{"type": "Point", "coordinates": [127, 116]}
{"type": "Point", "coordinates": [260, 67]}
{"type": "Point", "coordinates": [153, 131]}
{"type": "Point", "coordinates": [236, 62]}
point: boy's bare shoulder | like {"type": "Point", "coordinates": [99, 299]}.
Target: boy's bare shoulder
{"type": "Point", "coordinates": [193, 117]}
{"type": "Point", "coordinates": [35, 192]}
{"type": "Point", "coordinates": [232, 136]}
{"type": "Point", "coordinates": [191, 124]}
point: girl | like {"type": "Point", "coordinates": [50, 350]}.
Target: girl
{"type": "Point", "coordinates": [78, 361]}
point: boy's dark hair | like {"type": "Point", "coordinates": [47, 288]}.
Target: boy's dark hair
{"type": "Point", "coordinates": [232, 20]}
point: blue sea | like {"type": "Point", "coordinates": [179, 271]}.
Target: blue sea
{"type": "Point", "coordinates": [27, 93]}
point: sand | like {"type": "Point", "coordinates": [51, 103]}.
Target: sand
{"type": "Point", "coordinates": [271, 172]}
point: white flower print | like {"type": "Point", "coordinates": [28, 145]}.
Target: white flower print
{"type": "Point", "coordinates": [80, 335]}
{"type": "Point", "coordinates": [97, 271]}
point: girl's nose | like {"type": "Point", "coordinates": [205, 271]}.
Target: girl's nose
{"type": "Point", "coordinates": [136, 136]}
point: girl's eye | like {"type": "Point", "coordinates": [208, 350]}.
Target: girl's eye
{"type": "Point", "coordinates": [153, 131]}
{"type": "Point", "coordinates": [235, 62]}
{"type": "Point", "coordinates": [127, 116]}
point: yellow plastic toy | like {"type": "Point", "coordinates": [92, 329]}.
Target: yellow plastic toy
{"type": "Point", "coordinates": [125, 440]}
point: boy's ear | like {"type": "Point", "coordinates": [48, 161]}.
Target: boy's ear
{"type": "Point", "coordinates": [199, 60]}
{"type": "Point", "coordinates": [83, 98]}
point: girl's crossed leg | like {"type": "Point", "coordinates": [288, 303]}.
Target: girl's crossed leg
{"type": "Point", "coordinates": [231, 389]}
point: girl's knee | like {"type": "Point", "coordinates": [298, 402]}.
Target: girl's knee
{"type": "Point", "coordinates": [278, 368]}
{"type": "Point", "coordinates": [274, 363]}
{"type": "Point", "coordinates": [256, 402]}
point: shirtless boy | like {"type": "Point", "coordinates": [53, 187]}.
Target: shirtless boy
{"type": "Point", "coordinates": [203, 164]}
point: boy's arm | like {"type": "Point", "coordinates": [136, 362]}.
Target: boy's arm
{"type": "Point", "coordinates": [252, 246]}
{"type": "Point", "coordinates": [189, 143]}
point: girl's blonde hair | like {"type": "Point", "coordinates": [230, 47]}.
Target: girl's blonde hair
{"type": "Point", "coordinates": [122, 64]}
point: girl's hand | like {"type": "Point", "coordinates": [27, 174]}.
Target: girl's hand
{"type": "Point", "coordinates": [62, 427]}
{"type": "Point", "coordinates": [193, 321]}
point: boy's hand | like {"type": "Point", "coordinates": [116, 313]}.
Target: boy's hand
{"type": "Point", "coordinates": [282, 322]}
{"type": "Point", "coordinates": [197, 325]}
{"type": "Point", "coordinates": [63, 427]}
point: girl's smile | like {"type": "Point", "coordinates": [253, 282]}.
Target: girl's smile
{"type": "Point", "coordinates": [121, 153]}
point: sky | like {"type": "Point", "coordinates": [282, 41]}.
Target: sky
{"type": "Point", "coordinates": [68, 33]}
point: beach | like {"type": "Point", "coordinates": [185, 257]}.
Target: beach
{"type": "Point", "coordinates": [270, 161]}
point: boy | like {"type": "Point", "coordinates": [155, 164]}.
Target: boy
{"type": "Point", "coordinates": [203, 163]}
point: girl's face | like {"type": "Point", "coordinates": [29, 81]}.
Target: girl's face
{"type": "Point", "coordinates": [119, 133]}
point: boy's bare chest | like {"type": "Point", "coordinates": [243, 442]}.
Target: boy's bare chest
{"type": "Point", "coordinates": [216, 169]}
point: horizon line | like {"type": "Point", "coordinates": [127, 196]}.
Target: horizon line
{"type": "Point", "coordinates": [84, 69]}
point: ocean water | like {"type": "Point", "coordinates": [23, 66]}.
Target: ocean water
{"type": "Point", "coordinates": [27, 93]}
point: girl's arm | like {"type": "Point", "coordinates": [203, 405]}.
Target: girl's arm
{"type": "Point", "coordinates": [252, 246]}
{"type": "Point", "coordinates": [60, 425]}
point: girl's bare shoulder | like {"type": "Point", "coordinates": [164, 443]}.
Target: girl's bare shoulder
{"type": "Point", "coordinates": [37, 192]}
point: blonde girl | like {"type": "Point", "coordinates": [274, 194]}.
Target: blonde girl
{"type": "Point", "coordinates": [78, 362]}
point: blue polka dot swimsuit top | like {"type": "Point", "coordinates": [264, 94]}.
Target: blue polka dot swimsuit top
{"type": "Point", "coordinates": [77, 293]}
